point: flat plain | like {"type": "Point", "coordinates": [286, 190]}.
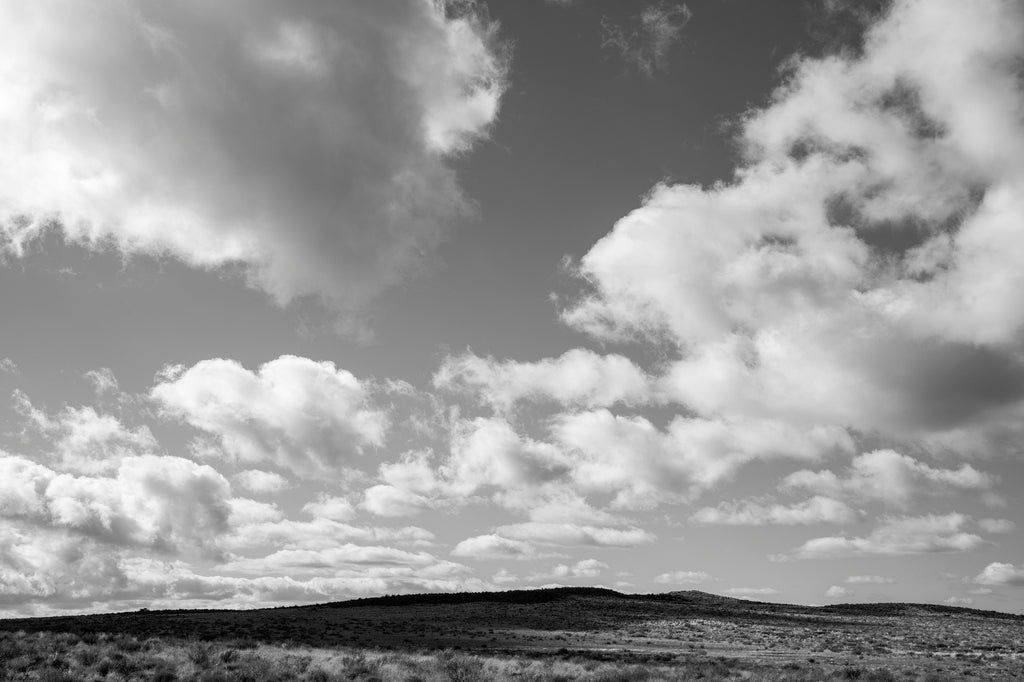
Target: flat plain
{"type": "Point", "coordinates": [543, 635]}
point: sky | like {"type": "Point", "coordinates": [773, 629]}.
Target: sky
{"type": "Point", "coordinates": [313, 300]}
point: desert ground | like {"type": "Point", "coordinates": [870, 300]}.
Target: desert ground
{"type": "Point", "coordinates": [537, 635]}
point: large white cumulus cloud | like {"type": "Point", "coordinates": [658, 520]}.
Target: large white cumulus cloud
{"type": "Point", "coordinates": [306, 141]}
{"type": "Point", "coordinates": [863, 269]}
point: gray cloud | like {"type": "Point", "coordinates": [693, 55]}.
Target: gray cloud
{"type": "Point", "coordinates": [307, 142]}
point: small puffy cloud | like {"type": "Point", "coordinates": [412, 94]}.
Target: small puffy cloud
{"type": "Point", "coordinates": [103, 380]}
{"type": "Point", "coordinates": [838, 592]}
{"type": "Point", "coordinates": [578, 378]}
{"type": "Point", "coordinates": [488, 453]}
{"type": "Point", "coordinates": [493, 547]}
{"type": "Point", "coordinates": [322, 170]}
{"type": "Point", "coordinates": [486, 457]}
{"type": "Point", "coordinates": [818, 509]}
{"type": "Point", "coordinates": [997, 525]}
{"type": "Point", "coordinates": [585, 568]}
{"type": "Point", "coordinates": [504, 577]}
{"type": "Point", "coordinates": [309, 417]}
{"type": "Point", "coordinates": [959, 601]}
{"type": "Point", "coordinates": [261, 482]}
{"type": "Point", "coordinates": [998, 573]}
{"type": "Point", "coordinates": [895, 536]}
{"type": "Point", "coordinates": [889, 477]}
{"type": "Point", "coordinates": [572, 535]}
{"type": "Point", "coordinates": [8, 366]}
{"type": "Point", "coordinates": [644, 42]}
{"type": "Point", "coordinates": [333, 508]}
{"type": "Point", "coordinates": [683, 578]}
{"type": "Point", "coordinates": [83, 440]}
{"type": "Point", "coordinates": [869, 580]}
{"type": "Point", "coordinates": [389, 501]}
{"type": "Point", "coordinates": [90, 442]}
{"type": "Point", "coordinates": [246, 512]}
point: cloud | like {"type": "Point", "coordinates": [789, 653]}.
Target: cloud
{"type": "Point", "coordinates": [486, 456]}
{"type": "Point", "coordinates": [889, 477]}
{"type": "Point", "coordinates": [579, 378]}
{"type": "Point", "coordinates": [167, 504]}
{"type": "Point", "coordinates": [320, 533]}
{"type": "Point", "coordinates": [818, 509]}
{"type": "Point", "coordinates": [103, 380]}
{"type": "Point", "coordinates": [997, 525]}
{"type": "Point", "coordinates": [683, 577]}
{"type": "Point", "coordinates": [897, 536]}
{"type": "Point", "coordinates": [645, 43]}
{"type": "Point", "coordinates": [246, 512]}
{"type": "Point", "coordinates": [488, 453]}
{"type": "Point", "coordinates": [45, 573]}
{"type": "Point", "coordinates": [309, 417]}
{"type": "Point", "coordinates": [387, 500]}
{"type": "Point", "coordinates": [307, 142]}
{"type": "Point", "coordinates": [998, 574]}
{"type": "Point", "coordinates": [493, 547]}
{"type": "Point", "coordinates": [572, 535]}
{"type": "Point", "coordinates": [624, 461]}
{"type": "Point", "coordinates": [82, 440]}
{"type": "Point", "coordinates": [959, 601]}
{"type": "Point", "coordinates": [751, 591]}
{"type": "Point", "coordinates": [869, 580]}
{"type": "Point", "coordinates": [261, 482]}
{"type": "Point", "coordinates": [643, 466]}
{"type": "Point", "coordinates": [838, 592]}
{"type": "Point", "coordinates": [333, 508]}
{"type": "Point", "coordinates": [585, 568]}
{"type": "Point", "coordinates": [331, 559]}
{"type": "Point", "coordinates": [877, 193]}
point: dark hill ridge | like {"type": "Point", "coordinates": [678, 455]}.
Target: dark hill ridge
{"type": "Point", "coordinates": [513, 619]}
{"type": "Point", "coordinates": [695, 598]}
{"type": "Point", "coordinates": [538, 596]}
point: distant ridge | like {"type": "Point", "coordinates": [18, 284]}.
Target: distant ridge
{"type": "Point", "coordinates": [536, 596]}
{"type": "Point", "coordinates": [693, 601]}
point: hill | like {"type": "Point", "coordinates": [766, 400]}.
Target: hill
{"type": "Point", "coordinates": [598, 624]}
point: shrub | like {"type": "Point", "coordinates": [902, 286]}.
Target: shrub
{"type": "Point", "coordinates": [319, 675]}
{"type": "Point", "coordinates": [128, 644]}
{"type": "Point", "coordinates": [462, 668]}
{"type": "Point", "coordinates": [199, 653]}
{"type": "Point", "coordinates": [87, 656]}
{"type": "Point", "coordinates": [165, 674]}
{"type": "Point", "coordinates": [55, 675]}
{"type": "Point", "coordinates": [123, 665]}
{"type": "Point", "coordinates": [361, 668]}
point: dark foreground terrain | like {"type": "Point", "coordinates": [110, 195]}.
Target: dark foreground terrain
{"type": "Point", "coordinates": [537, 635]}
